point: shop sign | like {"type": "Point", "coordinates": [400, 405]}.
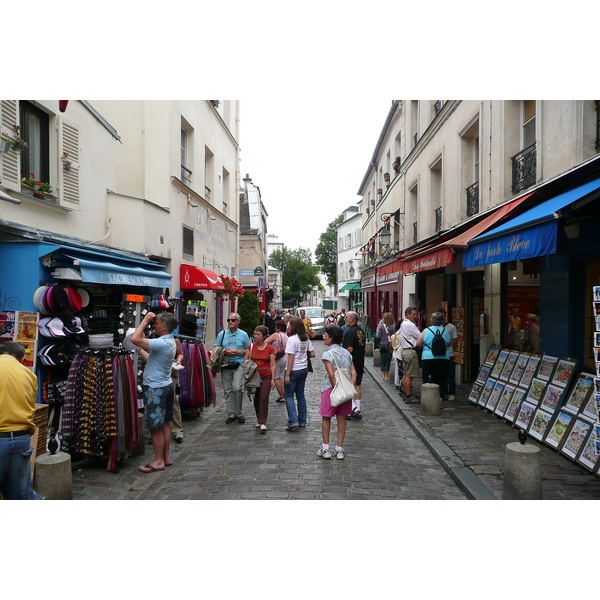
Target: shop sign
{"type": "Point", "coordinates": [388, 278]}
{"type": "Point", "coordinates": [527, 243]}
{"type": "Point", "coordinates": [246, 272]}
{"type": "Point", "coordinates": [367, 281]}
{"type": "Point", "coordinates": [433, 260]}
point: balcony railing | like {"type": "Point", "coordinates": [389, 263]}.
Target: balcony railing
{"type": "Point", "coordinates": [186, 175]}
{"type": "Point", "coordinates": [437, 106]}
{"type": "Point", "coordinates": [524, 168]}
{"type": "Point", "coordinates": [473, 199]}
{"type": "Point", "coordinates": [438, 218]}
{"type": "Point", "coordinates": [415, 233]}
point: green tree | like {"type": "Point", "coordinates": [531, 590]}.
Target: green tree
{"type": "Point", "coordinates": [249, 311]}
{"type": "Point", "coordinates": [298, 272]}
{"type": "Point", "coordinates": [326, 252]}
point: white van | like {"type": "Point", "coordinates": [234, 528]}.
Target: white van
{"type": "Point", "coordinates": [317, 316]}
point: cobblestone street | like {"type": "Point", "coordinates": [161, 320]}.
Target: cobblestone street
{"type": "Point", "coordinates": [385, 459]}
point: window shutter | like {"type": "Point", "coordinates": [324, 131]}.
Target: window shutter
{"type": "Point", "coordinates": [69, 179]}
{"type": "Point", "coordinates": [11, 161]}
{"type": "Point", "coordinates": [188, 243]}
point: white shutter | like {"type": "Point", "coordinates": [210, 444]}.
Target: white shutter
{"type": "Point", "coordinates": [69, 144]}
{"type": "Point", "coordinates": [11, 161]}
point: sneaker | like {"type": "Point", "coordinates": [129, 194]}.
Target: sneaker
{"type": "Point", "coordinates": [451, 398]}
{"type": "Point", "coordinates": [324, 453]}
{"type": "Point", "coordinates": [179, 438]}
{"type": "Point", "coordinates": [356, 414]}
{"type": "Point", "coordinates": [340, 455]}
{"type": "Point", "coordinates": [241, 419]}
{"type": "Point", "coordinates": [411, 400]}
{"type": "Point", "coordinates": [230, 420]}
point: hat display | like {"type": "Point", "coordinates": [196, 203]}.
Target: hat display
{"type": "Point", "coordinates": [74, 299]}
{"type": "Point", "coordinates": [55, 354]}
{"type": "Point", "coordinates": [72, 325]}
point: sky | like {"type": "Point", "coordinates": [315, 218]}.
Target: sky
{"type": "Point", "coordinates": [308, 158]}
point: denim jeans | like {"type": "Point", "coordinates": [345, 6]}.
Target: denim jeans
{"type": "Point", "coordinates": [15, 468]}
{"type": "Point", "coordinates": [296, 387]}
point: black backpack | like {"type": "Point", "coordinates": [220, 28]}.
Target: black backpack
{"type": "Point", "coordinates": [438, 344]}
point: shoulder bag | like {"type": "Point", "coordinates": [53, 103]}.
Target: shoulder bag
{"type": "Point", "coordinates": [279, 347]}
{"type": "Point", "coordinates": [344, 389]}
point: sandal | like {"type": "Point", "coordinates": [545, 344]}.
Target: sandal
{"type": "Point", "coordinates": [150, 469]}
{"type": "Point", "coordinates": [280, 399]}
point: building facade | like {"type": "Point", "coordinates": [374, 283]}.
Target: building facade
{"type": "Point", "coordinates": [445, 173]}
{"type": "Point", "coordinates": [349, 236]}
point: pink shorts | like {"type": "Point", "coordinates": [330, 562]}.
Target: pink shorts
{"type": "Point", "coordinates": [327, 410]}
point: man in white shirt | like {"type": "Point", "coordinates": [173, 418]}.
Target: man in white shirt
{"type": "Point", "coordinates": [409, 334]}
{"type": "Point", "coordinates": [453, 333]}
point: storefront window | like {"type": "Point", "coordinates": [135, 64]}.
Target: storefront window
{"type": "Point", "coordinates": [523, 305]}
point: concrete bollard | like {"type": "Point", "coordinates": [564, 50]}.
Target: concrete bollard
{"type": "Point", "coordinates": [376, 358]}
{"type": "Point", "coordinates": [522, 472]}
{"type": "Point", "coordinates": [140, 448]}
{"type": "Point", "coordinates": [369, 348]}
{"type": "Point", "coordinates": [53, 479]}
{"type": "Point", "coordinates": [430, 399]}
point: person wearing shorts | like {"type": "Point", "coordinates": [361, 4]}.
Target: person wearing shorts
{"type": "Point", "coordinates": [159, 392]}
{"type": "Point", "coordinates": [333, 338]}
{"type": "Point", "coordinates": [409, 334]}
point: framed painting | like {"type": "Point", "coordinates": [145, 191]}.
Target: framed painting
{"type": "Point", "coordinates": [559, 428]}
{"type": "Point", "coordinates": [564, 371]}
{"type": "Point", "coordinates": [576, 437]}
{"type": "Point", "coordinates": [499, 364]}
{"type": "Point", "coordinates": [492, 354]}
{"type": "Point", "coordinates": [484, 373]}
{"type": "Point", "coordinates": [526, 412]}
{"type": "Point", "coordinates": [591, 407]}
{"type": "Point", "coordinates": [588, 456]}
{"type": "Point", "coordinates": [505, 399]}
{"type": "Point", "coordinates": [476, 392]}
{"type": "Point", "coordinates": [597, 385]}
{"type": "Point", "coordinates": [580, 393]}
{"type": "Point", "coordinates": [536, 390]}
{"type": "Point", "coordinates": [596, 339]}
{"type": "Point", "coordinates": [512, 410]}
{"type": "Point", "coordinates": [547, 365]}
{"type": "Point", "coordinates": [495, 395]}
{"type": "Point", "coordinates": [551, 397]}
{"type": "Point", "coordinates": [520, 364]}
{"type": "Point", "coordinates": [529, 372]}
{"type": "Point", "coordinates": [487, 390]}
{"type": "Point", "coordinates": [509, 365]}
{"type": "Point", "coordinates": [539, 423]}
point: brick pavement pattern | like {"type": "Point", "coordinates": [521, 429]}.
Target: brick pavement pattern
{"type": "Point", "coordinates": [385, 458]}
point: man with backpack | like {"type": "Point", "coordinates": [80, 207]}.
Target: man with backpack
{"type": "Point", "coordinates": [435, 358]}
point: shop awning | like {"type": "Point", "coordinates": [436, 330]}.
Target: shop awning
{"type": "Point", "coordinates": [528, 235]}
{"type": "Point", "coordinates": [351, 287]}
{"type": "Point", "coordinates": [194, 278]}
{"type": "Point", "coordinates": [442, 254]}
{"type": "Point", "coordinates": [107, 268]}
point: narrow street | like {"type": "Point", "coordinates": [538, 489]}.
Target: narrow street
{"type": "Point", "coordinates": [385, 459]}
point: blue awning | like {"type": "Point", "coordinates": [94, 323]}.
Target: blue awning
{"type": "Point", "coordinates": [531, 234]}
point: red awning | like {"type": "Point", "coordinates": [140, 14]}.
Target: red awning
{"type": "Point", "coordinates": [194, 278]}
{"type": "Point", "coordinates": [439, 255]}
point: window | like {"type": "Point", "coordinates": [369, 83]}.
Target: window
{"type": "Point", "coordinates": [435, 192]}
{"type": "Point", "coordinates": [188, 243]}
{"type": "Point", "coordinates": [469, 149]}
{"type": "Point", "coordinates": [35, 131]}
{"type": "Point", "coordinates": [528, 117]}
{"type": "Point", "coordinates": [186, 173]}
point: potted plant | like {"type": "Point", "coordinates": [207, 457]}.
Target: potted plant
{"type": "Point", "coordinates": [12, 143]}
{"type": "Point", "coordinates": [380, 191]}
{"type": "Point", "coordinates": [386, 177]}
{"type": "Point", "coordinates": [45, 188]}
{"type": "Point", "coordinates": [396, 164]}
{"type": "Point", "coordinates": [368, 210]}
{"type": "Point", "coordinates": [29, 184]}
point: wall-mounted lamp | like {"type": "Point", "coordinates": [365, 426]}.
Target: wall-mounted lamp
{"type": "Point", "coordinates": [351, 270]}
{"type": "Point", "coordinates": [385, 236]}
{"type": "Point", "coordinates": [190, 202]}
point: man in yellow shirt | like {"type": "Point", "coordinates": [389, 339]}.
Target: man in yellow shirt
{"type": "Point", "coordinates": [18, 391]}
{"type": "Point", "coordinates": [306, 320]}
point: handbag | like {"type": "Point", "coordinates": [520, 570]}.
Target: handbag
{"type": "Point", "coordinates": [279, 347]}
{"type": "Point", "coordinates": [312, 334]}
{"type": "Point", "coordinates": [308, 363]}
{"type": "Point", "coordinates": [344, 389]}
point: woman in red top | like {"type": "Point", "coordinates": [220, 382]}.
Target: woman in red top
{"type": "Point", "coordinates": [263, 355]}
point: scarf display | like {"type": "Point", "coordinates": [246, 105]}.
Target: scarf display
{"type": "Point", "coordinates": [196, 385]}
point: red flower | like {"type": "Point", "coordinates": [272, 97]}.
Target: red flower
{"type": "Point", "coordinates": [38, 183]}
{"type": "Point", "coordinates": [32, 175]}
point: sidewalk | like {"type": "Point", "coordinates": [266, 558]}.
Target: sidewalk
{"type": "Point", "coordinates": [470, 444]}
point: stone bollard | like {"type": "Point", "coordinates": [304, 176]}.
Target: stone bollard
{"type": "Point", "coordinates": [376, 358]}
{"type": "Point", "coordinates": [369, 348]}
{"type": "Point", "coordinates": [53, 479]}
{"type": "Point", "coordinates": [430, 399]}
{"type": "Point", "coordinates": [140, 448]}
{"type": "Point", "coordinates": [522, 472]}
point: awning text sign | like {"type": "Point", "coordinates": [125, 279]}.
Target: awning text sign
{"type": "Point", "coordinates": [428, 262]}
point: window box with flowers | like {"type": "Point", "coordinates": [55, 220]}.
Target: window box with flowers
{"type": "Point", "coordinates": [233, 288]}
{"type": "Point", "coordinates": [41, 190]}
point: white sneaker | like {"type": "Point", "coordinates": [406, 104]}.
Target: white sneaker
{"type": "Point", "coordinates": [340, 455]}
{"type": "Point", "coordinates": [451, 399]}
{"type": "Point", "coordinates": [324, 453]}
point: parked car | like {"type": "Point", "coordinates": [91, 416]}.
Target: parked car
{"type": "Point", "coordinates": [318, 317]}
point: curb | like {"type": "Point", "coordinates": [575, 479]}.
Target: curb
{"type": "Point", "coordinates": [462, 475]}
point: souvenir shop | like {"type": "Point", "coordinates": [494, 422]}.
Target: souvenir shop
{"type": "Point", "coordinates": [544, 377]}
{"type": "Point", "coordinates": [72, 307]}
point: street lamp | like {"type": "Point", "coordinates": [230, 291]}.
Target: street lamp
{"type": "Point", "coordinates": [385, 237]}
{"type": "Point", "coordinates": [351, 270]}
